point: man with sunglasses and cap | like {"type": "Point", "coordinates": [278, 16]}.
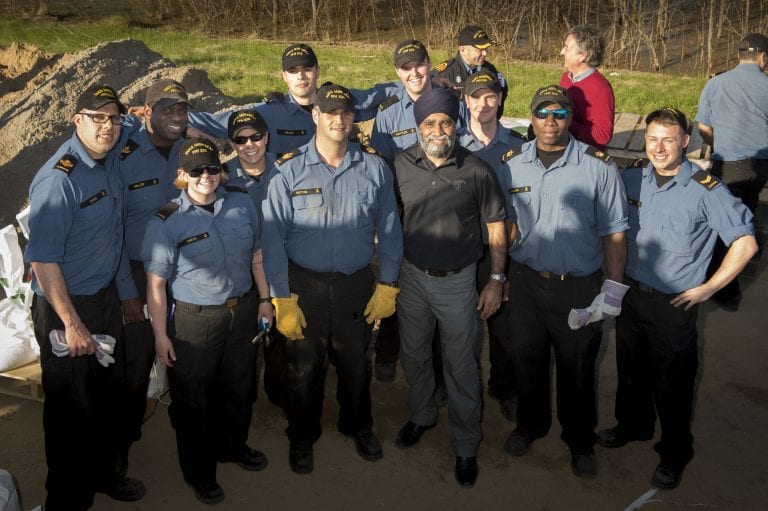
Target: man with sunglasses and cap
{"type": "Point", "coordinates": [148, 162]}
{"type": "Point", "coordinates": [80, 275]}
{"type": "Point", "coordinates": [676, 212]}
{"type": "Point", "coordinates": [248, 133]}
{"type": "Point", "coordinates": [205, 247]}
{"type": "Point", "coordinates": [567, 216]}
{"type": "Point", "coordinates": [326, 202]}
{"type": "Point", "coordinates": [289, 116]}
{"type": "Point", "coordinates": [470, 59]}
{"type": "Point", "coordinates": [494, 144]}
{"type": "Point", "coordinates": [446, 193]}
{"type": "Point", "coordinates": [733, 119]}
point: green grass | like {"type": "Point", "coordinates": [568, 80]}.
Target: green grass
{"type": "Point", "coordinates": [245, 68]}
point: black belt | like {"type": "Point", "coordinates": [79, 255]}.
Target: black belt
{"type": "Point", "coordinates": [644, 288]}
{"type": "Point", "coordinates": [548, 274]}
{"type": "Point", "coordinates": [231, 303]}
{"type": "Point", "coordinates": [441, 273]}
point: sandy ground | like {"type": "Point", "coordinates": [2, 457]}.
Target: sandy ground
{"type": "Point", "coordinates": [728, 472]}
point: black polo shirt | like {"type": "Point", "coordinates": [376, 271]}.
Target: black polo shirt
{"type": "Point", "coordinates": [443, 207]}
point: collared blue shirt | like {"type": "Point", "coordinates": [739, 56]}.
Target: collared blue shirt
{"type": "Point", "coordinates": [290, 126]}
{"type": "Point", "coordinates": [673, 229]}
{"type": "Point", "coordinates": [205, 257]}
{"type": "Point", "coordinates": [395, 128]}
{"type": "Point", "coordinates": [76, 220]}
{"type": "Point", "coordinates": [148, 177]}
{"type": "Point", "coordinates": [325, 220]}
{"type": "Point", "coordinates": [256, 189]}
{"type": "Point", "coordinates": [491, 154]}
{"type": "Point", "coordinates": [562, 212]}
{"type": "Point", "coordinates": [735, 104]}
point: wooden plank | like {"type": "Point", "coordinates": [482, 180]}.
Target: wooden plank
{"type": "Point", "coordinates": [24, 381]}
{"type": "Point", "coordinates": [697, 148]}
{"type": "Point", "coordinates": [624, 125]}
{"type": "Point", "coordinates": [637, 142]}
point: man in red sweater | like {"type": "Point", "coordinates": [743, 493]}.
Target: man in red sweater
{"type": "Point", "coordinates": [591, 94]}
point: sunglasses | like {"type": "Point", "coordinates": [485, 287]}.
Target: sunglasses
{"type": "Point", "coordinates": [198, 171]}
{"type": "Point", "coordinates": [559, 113]}
{"type": "Point", "coordinates": [100, 118]}
{"type": "Point", "coordinates": [253, 138]}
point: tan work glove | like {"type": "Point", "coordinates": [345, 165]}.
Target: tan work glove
{"type": "Point", "coordinates": [382, 303]}
{"type": "Point", "coordinates": [290, 319]}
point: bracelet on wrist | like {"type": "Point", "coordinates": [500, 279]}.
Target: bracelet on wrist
{"type": "Point", "coordinates": [266, 299]}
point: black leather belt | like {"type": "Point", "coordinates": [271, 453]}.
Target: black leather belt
{"type": "Point", "coordinates": [644, 288]}
{"type": "Point", "coordinates": [441, 273]}
{"type": "Point", "coordinates": [231, 303]}
{"type": "Point", "coordinates": [548, 274]}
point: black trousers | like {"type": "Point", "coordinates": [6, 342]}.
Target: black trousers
{"type": "Point", "coordinates": [745, 179]}
{"type": "Point", "coordinates": [82, 403]}
{"type": "Point", "coordinates": [139, 356]}
{"type": "Point", "coordinates": [210, 383]}
{"type": "Point", "coordinates": [337, 333]}
{"type": "Point", "coordinates": [539, 310]}
{"type": "Point", "coordinates": [657, 360]}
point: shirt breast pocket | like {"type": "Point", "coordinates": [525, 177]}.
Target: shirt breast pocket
{"type": "Point", "coordinates": [678, 235]}
{"type": "Point", "coordinates": [365, 204]}
{"type": "Point", "coordinates": [308, 210]}
{"type": "Point", "coordinates": [198, 254]}
{"type": "Point", "coordinates": [577, 213]}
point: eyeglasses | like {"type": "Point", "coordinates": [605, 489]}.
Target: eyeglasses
{"type": "Point", "coordinates": [253, 138]}
{"type": "Point", "coordinates": [198, 171]}
{"type": "Point", "coordinates": [559, 113]}
{"type": "Point", "coordinates": [100, 118]}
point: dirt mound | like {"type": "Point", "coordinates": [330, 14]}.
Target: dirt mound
{"type": "Point", "coordinates": [38, 93]}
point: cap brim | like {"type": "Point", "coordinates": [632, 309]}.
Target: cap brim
{"type": "Point", "coordinates": [547, 101]}
{"type": "Point", "coordinates": [482, 46]}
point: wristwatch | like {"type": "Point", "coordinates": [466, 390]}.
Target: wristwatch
{"type": "Point", "coordinates": [499, 277]}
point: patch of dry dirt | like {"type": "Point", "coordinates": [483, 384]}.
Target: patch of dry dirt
{"type": "Point", "coordinates": [38, 93]}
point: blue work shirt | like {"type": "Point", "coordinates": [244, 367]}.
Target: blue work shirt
{"type": "Point", "coordinates": [148, 177]}
{"type": "Point", "coordinates": [735, 105]}
{"type": "Point", "coordinates": [205, 257]}
{"type": "Point", "coordinates": [290, 125]}
{"type": "Point", "coordinates": [257, 190]}
{"type": "Point", "coordinates": [325, 220]}
{"type": "Point", "coordinates": [492, 153]}
{"type": "Point", "coordinates": [395, 127]}
{"type": "Point", "coordinates": [673, 229]}
{"type": "Point", "coordinates": [76, 220]}
{"type": "Point", "coordinates": [563, 212]}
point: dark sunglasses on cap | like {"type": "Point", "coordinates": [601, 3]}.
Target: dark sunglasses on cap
{"type": "Point", "coordinates": [558, 113]}
{"type": "Point", "coordinates": [198, 171]}
{"type": "Point", "coordinates": [253, 138]}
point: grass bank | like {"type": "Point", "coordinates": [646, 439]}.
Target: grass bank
{"type": "Point", "coordinates": [244, 68]}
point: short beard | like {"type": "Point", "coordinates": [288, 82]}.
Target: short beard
{"type": "Point", "coordinates": [438, 152]}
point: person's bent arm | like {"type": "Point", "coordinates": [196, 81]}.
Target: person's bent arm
{"type": "Point", "coordinates": [54, 287]}
{"type": "Point", "coordinates": [737, 257]}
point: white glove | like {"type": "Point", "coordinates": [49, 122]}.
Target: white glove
{"type": "Point", "coordinates": [105, 346]}
{"type": "Point", "coordinates": [606, 303]}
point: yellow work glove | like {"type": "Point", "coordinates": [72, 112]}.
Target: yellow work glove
{"type": "Point", "coordinates": [290, 319]}
{"type": "Point", "coordinates": [382, 303]}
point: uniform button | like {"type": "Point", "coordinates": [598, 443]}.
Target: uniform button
{"type": "Point", "coordinates": [433, 183]}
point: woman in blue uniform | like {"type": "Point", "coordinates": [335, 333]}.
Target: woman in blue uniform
{"type": "Point", "coordinates": [205, 248]}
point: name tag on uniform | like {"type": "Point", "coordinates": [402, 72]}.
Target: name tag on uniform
{"type": "Point", "coordinates": [296, 133]}
{"type": "Point", "coordinates": [519, 189]}
{"type": "Point", "coordinates": [306, 191]}
{"type": "Point", "coordinates": [192, 239]}
{"type": "Point", "coordinates": [142, 184]}
{"type": "Point", "coordinates": [635, 203]}
{"type": "Point", "coordinates": [403, 132]}
{"type": "Point", "coordinates": [90, 201]}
